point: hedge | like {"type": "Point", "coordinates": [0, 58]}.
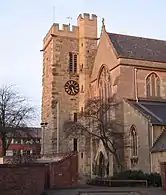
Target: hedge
{"type": "Point", "coordinates": [153, 179]}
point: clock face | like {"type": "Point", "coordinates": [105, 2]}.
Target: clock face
{"type": "Point", "coordinates": [71, 87]}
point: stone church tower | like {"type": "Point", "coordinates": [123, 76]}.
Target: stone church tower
{"type": "Point", "coordinates": [128, 67]}
{"type": "Point", "coordinates": [68, 57]}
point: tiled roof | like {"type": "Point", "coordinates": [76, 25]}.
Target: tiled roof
{"type": "Point", "coordinates": [24, 132]}
{"type": "Point", "coordinates": [154, 109]}
{"type": "Point", "coordinates": [138, 48]}
{"type": "Point", "coordinates": [160, 143]}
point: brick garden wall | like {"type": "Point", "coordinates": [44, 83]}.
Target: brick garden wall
{"type": "Point", "coordinates": [64, 173]}
{"type": "Point", "coordinates": [30, 179]}
{"type": "Point", "coordinates": [163, 174]}
{"type": "Point", "coordinates": [22, 179]}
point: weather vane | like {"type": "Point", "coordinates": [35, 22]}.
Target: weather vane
{"type": "Point", "coordinates": [103, 24]}
{"type": "Point", "coordinates": [53, 14]}
{"type": "Point", "coordinates": [70, 19]}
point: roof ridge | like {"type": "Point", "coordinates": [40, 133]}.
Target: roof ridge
{"type": "Point", "coordinates": [150, 38]}
{"type": "Point", "coordinates": [157, 140]}
{"type": "Point", "coordinates": [158, 118]}
{"type": "Point", "coordinates": [138, 48]}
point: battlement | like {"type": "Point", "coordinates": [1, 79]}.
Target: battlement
{"type": "Point", "coordinates": [84, 21]}
{"type": "Point", "coordinates": [87, 25]}
{"type": "Point", "coordinates": [87, 17]}
{"type": "Point", "coordinates": [65, 31]}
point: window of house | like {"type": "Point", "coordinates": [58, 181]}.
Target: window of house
{"type": "Point", "coordinates": [72, 62]}
{"type": "Point", "coordinates": [75, 144]}
{"type": "Point", "coordinates": [14, 152]}
{"type": "Point", "coordinates": [75, 117]}
{"type": "Point", "coordinates": [17, 141]}
{"type": "Point", "coordinates": [153, 85]}
{"type": "Point", "coordinates": [35, 152]}
{"type": "Point", "coordinates": [9, 153]}
{"type": "Point", "coordinates": [24, 152]}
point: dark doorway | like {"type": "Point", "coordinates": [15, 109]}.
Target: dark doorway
{"type": "Point", "coordinates": [101, 165]}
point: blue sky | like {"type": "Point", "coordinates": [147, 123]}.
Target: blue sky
{"type": "Point", "coordinates": [23, 24]}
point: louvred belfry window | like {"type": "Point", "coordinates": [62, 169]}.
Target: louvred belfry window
{"type": "Point", "coordinates": [72, 62]}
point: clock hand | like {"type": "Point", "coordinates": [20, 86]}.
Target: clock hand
{"type": "Point", "coordinates": [72, 89]}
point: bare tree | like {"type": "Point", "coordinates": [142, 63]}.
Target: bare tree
{"type": "Point", "coordinates": [15, 113]}
{"type": "Point", "coordinates": [98, 121]}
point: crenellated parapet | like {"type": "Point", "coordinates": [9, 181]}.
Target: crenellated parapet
{"type": "Point", "coordinates": [87, 25]}
{"type": "Point", "coordinates": [65, 31]}
{"type": "Point", "coordinates": [87, 17]}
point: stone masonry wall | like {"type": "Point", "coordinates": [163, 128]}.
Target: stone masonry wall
{"type": "Point", "coordinates": [67, 104]}
{"type": "Point", "coordinates": [87, 50]}
{"type": "Point", "coordinates": [134, 117]}
{"type": "Point", "coordinates": [47, 81]}
{"type": "Point", "coordinates": [57, 44]}
{"type": "Point", "coordinates": [157, 158]}
{"type": "Point", "coordinates": [81, 40]}
{"type": "Point", "coordinates": [144, 68]}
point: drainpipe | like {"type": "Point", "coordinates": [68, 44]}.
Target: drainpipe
{"type": "Point", "coordinates": [150, 132]}
{"type": "Point", "coordinates": [43, 126]}
{"type": "Point", "coordinates": [152, 145]}
{"type": "Point", "coordinates": [91, 155]}
{"type": "Point", "coordinates": [152, 135]}
{"type": "Point", "coordinates": [135, 84]}
{"type": "Point", "coordinates": [57, 147]}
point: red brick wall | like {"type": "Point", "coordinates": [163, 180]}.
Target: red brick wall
{"type": "Point", "coordinates": [22, 179]}
{"type": "Point", "coordinates": [163, 174]}
{"type": "Point", "coordinates": [64, 173]}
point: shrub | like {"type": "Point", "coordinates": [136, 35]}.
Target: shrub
{"type": "Point", "coordinates": [135, 175]}
{"type": "Point", "coordinates": [153, 179]}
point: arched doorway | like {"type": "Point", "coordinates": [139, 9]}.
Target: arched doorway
{"type": "Point", "coordinates": [101, 165]}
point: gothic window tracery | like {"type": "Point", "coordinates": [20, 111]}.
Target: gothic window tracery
{"type": "Point", "coordinates": [104, 89]}
{"type": "Point", "coordinates": [104, 85]}
{"type": "Point", "coordinates": [153, 85]}
{"type": "Point", "coordinates": [134, 142]}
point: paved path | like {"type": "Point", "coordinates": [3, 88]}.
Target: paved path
{"type": "Point", "coordinates": [108, 191]}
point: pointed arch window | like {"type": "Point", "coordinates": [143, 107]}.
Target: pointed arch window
{"type": "Point", "coordinates": [104, 89]}
{"type": "Point", "coordinates": [134, 141]}
{"type": "Point", "coordinates": [153, 85]}
{"type": "Point", "coordinates": [104, 84]}
{"type": "Point", "coordinates": [73, 62]}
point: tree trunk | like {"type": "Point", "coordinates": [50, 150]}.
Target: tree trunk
{"type": "Point", "coordinates": [4, 145]}
{"type": "Point", "coordinates": [114, 153]}
{"type": "Point", "coordinates": [119, 165]}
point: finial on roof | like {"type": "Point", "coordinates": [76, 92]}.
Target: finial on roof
{"type": "Point", "coordinates": [103, 24]}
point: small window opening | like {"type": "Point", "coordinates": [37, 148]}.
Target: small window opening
{"type": "Point", "coordinates": [75, 117]}
{"type": "Point", "coordinates": [75, 144]}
